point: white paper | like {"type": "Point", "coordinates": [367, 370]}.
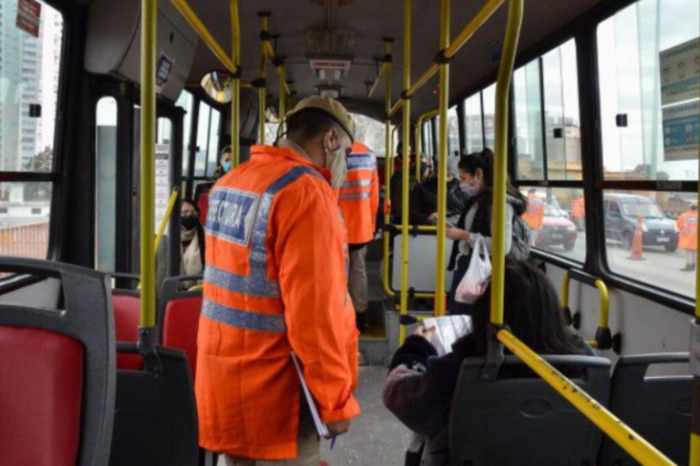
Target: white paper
{"type": "Point", "coordinates": [321, 428]}
{"type": "Point", "coordinates": [448, 329]}
{"type": "Point", "coordinates": [162, 183]}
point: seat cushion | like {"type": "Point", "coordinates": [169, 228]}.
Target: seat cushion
{"type": "Point", "coordinates": [180, 326]}
{"type": "Point", "coordinates": [41, 390]}
{"type": "Point", "coordinates": [127, 312]}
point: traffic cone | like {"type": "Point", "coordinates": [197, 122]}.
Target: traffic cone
{"type": "Point", "coordinates": [636, 251]}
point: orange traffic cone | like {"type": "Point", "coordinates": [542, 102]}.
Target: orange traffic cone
{"type": "Point", "coordinates": [636, 251]}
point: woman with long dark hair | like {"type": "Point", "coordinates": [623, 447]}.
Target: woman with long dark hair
{"type": "Point", "coordinates": [476, 174]}
{"type": "Point", "coordinates": [420, 387]}
{"type": "Point", "coordinates": [191, 241]}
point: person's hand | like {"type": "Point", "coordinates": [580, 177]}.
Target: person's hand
{"type": "Point", "coordinates": [433, 218]}
{"type": "Point", "coordinates": [425, 332]}
{"type": "Point", "coordinates": [337, 428]}
{"type": "Point", "coordinates": [457, 234]}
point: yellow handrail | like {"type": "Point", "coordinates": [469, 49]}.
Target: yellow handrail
{"type": "Point", "coordinates": [186, 11]}
{"type": "Point", "coordinates": [442, 163]}
{"type": "Point", "coordinates": [235, 85]}
{"type": "Point", "coordinates": [604, 319]}
{"type": "Point", "coordinates": [378, 79]}
{"type": "Point", "coordinates": [479, 20]}
{"type": "Point", "coordinates": [406, 165]}
{"type": "Point", "coordinates": [164, 220]}
{"type": "Point", "coordinates": [419, 137]}
{"type": "Point", "coordinates": [149, 9]}
{"type": "Point", "coordinates": [620, 433]}
{"type": "Point", "coordinates": [388, 166]}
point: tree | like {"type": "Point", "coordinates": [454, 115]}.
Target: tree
{"type": "Point", "coordinates": [43, 161]}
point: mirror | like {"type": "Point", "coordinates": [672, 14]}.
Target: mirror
{"type": "Point", "coordinates": [217, 85]}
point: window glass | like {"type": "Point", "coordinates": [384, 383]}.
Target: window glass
{"type": "Point", "coordinates": [650, 237]}
{"type": "Point", "coordinates": [559, 227]}
{"type": "Point", "coordinates": [528, 122]}
{"type": "Point", "coordinates": [213, 157]}
{"type": "Point", "coordinates": [25, 210]}
{"type": "Point", "coordinates": [427, 139]}
{"type": "Point", "coordinates": [186, 102]}
{"type": "Point", "coordinates": [271, 132]}
{"type": "Point", "coordinates": [473, 124]}
{"type": "Point", "coordinates": [561, 110]}
{"type": "Point", "coordinates": [106, 184]}
{"type": "Point", "coordinates": [452, 133]}
{"type": "Point", "coordinates": [203, 129]}
{"type": "Point", "coordinates": [371, 133]}
{"type": "Point", "coordinates": [489, 97]}
{"type": "Point", "coordinates": [29, 72]}
{"type": "Point", "coordinates": [660, 138]}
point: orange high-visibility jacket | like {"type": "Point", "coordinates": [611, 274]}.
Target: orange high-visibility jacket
{"type": "Point", "coordinates": [535, 212]}
{"type": "Point", "coordinates": [275, 282]}
{"type": "Point", "coordinates": [578, 209]}
{"type": "Point", "coordinates": [359, 196]}
{"type": "Point", "coordinates": [688, 226]}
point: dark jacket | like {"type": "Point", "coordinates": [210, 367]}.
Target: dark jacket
{"type": "Point", "coordinates": [424, 200]}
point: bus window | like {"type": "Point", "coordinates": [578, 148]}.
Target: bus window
{"type": "Point", "coordinates": [371, 133]}
{"type": "Point", "coordinates": [528, 122]}
{"type": "Point", "coordinates": [428, 147]}
{"type": "Point", "coordinates": [29, 77]}
{"type": "Point", "coordinates": [200, 163]}
{"type": "Point", "coordinates": [186, 102]}
{"type": "Point", "coordinates": [453, 133]}
{"type": "Point", "coordinates": [213, 152]}
{"type": "Point", "coordinates": [106, 184]}
{"type": "Point", "coordinates": [473, 124]}
{"type": "Point", "coordinates": [488, 97]}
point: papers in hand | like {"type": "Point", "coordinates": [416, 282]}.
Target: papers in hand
{"type": "Point", "coordinates": [448, 329]}
{"type": "Point", "coordinates": [321, 428]}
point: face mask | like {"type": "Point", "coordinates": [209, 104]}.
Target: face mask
{"type": "Point", "coordinates": [226, 166]}
{"type": "Point", "coordinates": [468, 189]}
{"type": "Point", "coordinates": [337, 164]}
{"type": "Point", "coordinates": [189, 222]}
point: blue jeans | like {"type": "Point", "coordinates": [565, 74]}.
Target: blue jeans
{"type": "Point", "coordinates": [455, 308]}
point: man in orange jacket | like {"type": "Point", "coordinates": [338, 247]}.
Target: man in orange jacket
{"type": "Point", "coordinates": [359, 200]}
{"type": "Point", "coordinates": [534, 216]}
{"type": "Point", "coordinates": [276, 283]}
{"type": "Point", "coordinates": [688, 240]}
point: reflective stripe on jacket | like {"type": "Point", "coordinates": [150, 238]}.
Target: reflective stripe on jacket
{"type": "Point", "coordinates": [275, 282]}
{"type": "Point", "coordinates": [359, 196]}
{"type": "Point", "coordinates": [688, 227]}
{"type": "Point", "coordinates": [535, 212]}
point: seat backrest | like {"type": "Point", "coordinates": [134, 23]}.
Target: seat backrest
{"type": "Point", "coordinates": [127, 312]}
{"type": "Point", "coordinates": [178, 320]}
{"type": "Point", "coordinates": [58, 375]}
{"type": "Point", "coordinates": [520, 420]}
{"type": "Point", "coordinates": [657, 408]}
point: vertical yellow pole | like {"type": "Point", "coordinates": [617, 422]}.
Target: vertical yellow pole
{"type": "Point", "coordinates": [148, 147]}
{"type": "Point", "coordinates": [235, 85]}
{"type": "Point", "coordinates": [283, 97]}
{"type": "Point", "coordinates": [388, 165]}
{"type": "Point", "coordinates": [406, 166]}
{"type": "Point", "coordinates": [442, 162]}
{"type": "Point", "coordinates": [500, 169]}
{"type": "Point", "coordinates": [419, 146]}
{"type": "Point", "coordinates": [262, 90]}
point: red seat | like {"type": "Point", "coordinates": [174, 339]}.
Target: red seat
{"type": "Point", "coordinates": [201, 197]}
{"type": "Point", "coordinates": [180, 326]}
{"type": "Point", "coordinates": [40, 397]}
{"type": "Point", "coordinates": [127, 312]}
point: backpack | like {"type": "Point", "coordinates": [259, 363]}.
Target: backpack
{"type": "Point", "coordinates": [520, 244]}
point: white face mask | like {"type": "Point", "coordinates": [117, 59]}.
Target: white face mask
{"type": "Point", "coordinates": [468, 189]}
{"type": "Point", "coordinates": [337, 163]}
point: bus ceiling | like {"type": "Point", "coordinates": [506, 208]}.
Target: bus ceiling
{"type": "Point", "coordinates": [330, 47]}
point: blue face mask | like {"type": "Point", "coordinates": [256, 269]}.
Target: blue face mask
{"type": "Point", "coordinates": [226, 166]}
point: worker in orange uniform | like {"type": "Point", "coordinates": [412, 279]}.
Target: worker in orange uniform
{"type": "Point", "coordinates": [276, 283]}
{"type": "Point", "coordinates": [534, 216]}
{"type": "Point", "coordinates": [578, 212]}
{"type": "Point", "coordinates": [359, 200]}
{"type": "Point", "coordinates": [688, 241]}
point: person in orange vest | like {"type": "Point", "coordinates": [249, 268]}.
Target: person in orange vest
{"type": "Point", "coordinates": [534, 215]}
{"type": "Point", "coordinates": [276, 282]}
{"type": "Point", "coordinates": [688, 240]}
{"type": "Point", "coordinates": [359, 199]}
{"type": "Point", "coordinates": [578, 212]}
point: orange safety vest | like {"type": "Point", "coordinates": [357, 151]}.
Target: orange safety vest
{"type": "Point", "coordinates": [535, 212]}
{"type": "Point", "coordinates": [688, 226]}
{"type": "Point", "coordinates": [359, 196]}
{"type": "Point", "coordinates": [275, 282]}
{"type": "Point", "coordinates": [577, 208]}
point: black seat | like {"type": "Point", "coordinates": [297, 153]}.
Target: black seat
{"type": "Point", "coordinates": [520, 420]}
{"type": "Point", "coordinates": [58, 379]}
{"type": "Point", "coordinates": [658, 408]}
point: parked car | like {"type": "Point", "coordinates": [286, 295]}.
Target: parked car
{"type": "Point", "coordinates": [621, 212]}
{"type": "Point", "coordinates": [557, 229]}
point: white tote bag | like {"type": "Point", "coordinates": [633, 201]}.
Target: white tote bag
{"type": "Point", "coordinates": [476, 279]}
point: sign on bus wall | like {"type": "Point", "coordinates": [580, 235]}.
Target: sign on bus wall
{"type": "Point", "coordinates": [680, 83]}
{"type": "Point", "coordinates": [162, 183]}
{"type": "Point", "coordinates": [29, 16]}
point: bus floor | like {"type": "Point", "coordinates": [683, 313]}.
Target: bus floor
{"type": "Point", "coordinates": [376, 437]}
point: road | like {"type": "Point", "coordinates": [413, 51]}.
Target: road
{"type": "Point", "coordinates": [659, 268]}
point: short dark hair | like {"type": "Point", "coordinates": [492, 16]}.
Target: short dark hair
{"type": "Point", "coordinates": [309, 124]}
{"type": "Point", "coordinates": [225, 150]}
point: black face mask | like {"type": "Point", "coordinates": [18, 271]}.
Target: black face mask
{"type": "Point", "coordinates": [189, 222]}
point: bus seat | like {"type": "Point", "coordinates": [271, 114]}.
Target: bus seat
{"type": "Point", "coordinates": [658, 408]}
{"type": "Point", "coordinates": [201, 197]}
{"type": "Point", "coordinates": [178, 320]}
{"type": "Point", "coordinates": [520, 420]}
{"type": "Point", "coordinates": [58, 378]}
{"type": "Point", "coordinates": [421, 266]}
{"type": "Point", "coordinates": [127, 315]}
